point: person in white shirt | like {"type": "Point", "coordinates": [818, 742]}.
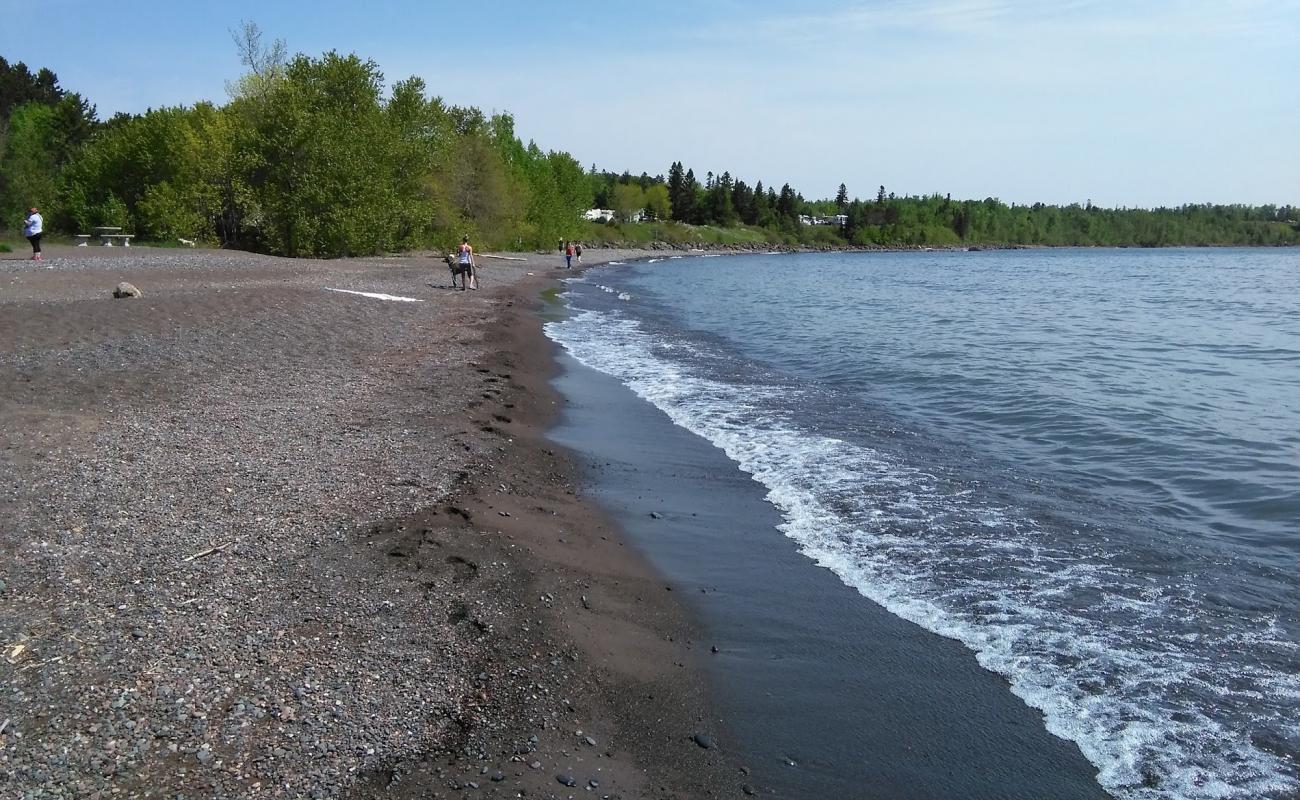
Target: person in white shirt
{"type": "Point", "coordinates": [33, 227]}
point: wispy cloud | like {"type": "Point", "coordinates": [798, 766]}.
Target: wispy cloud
{"type": "Point", "coordinates": [1271, 20]}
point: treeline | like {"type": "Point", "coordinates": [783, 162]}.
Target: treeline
{"type": "Point", "coordinates": [887, 220]}
{"type": "Point", "coordinates": [308, 158]}
{"type": "Point", "coordinates": [312, 157]}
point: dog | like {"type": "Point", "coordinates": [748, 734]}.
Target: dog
{"type": "Point", "coordinates": [457, 269]}
{"type": "Point", "coordinates": [186, 242]}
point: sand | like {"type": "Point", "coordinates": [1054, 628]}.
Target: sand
{"type": "Point", "coordinates": [262, 539]}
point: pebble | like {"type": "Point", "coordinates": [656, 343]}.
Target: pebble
{"type": "Point", "coordinates": [704, 740]}
{"type": "Point", "coordinates": [566, 779]}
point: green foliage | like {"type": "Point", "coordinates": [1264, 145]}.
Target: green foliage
{"type": "Point", "coordinates": [310, 158]}
{"type": "Point", "coordinates": [658, 206]}
{"type": "Point", "coordinates": [27, 164]}
{"type": "Point", "coordinates": [628, 200]}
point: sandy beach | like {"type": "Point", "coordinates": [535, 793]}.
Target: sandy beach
{"type": "Point", "coordinates": [264, 539]}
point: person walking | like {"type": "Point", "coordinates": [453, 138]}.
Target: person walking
{"type": "Point", "coordinates": [465, 257]}
{"type": "Point", "coordinates": [568, 255]}
{"type": "Point", "coordinates": [577, 252]}
{"type": "Point", "coordinates": [33, 227]}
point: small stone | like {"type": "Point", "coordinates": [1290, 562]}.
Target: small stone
{"type": "Point", "coordinates": [746, 788]}
{"type": "Point", "coordinates": [590, 741]}
{"type": "Point", "coordinates": [124, 290]}
{"type": "Point", "coordinates": [704, 740]}
{"type": "Point", "coordinates": [497, 776]}
{"type": "Point", "coordinates": [472, 784]}
{"type": "Point", "coordinates": [535, 765]}
{"type": "Point", "coordinates": [656, 515]}
{"type": "Point", "coordinates": [713, 649]}
{"type": "Point", "coordinates": [566, 779]}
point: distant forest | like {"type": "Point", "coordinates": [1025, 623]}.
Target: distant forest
{"type": "Point", "coordinates": [310, 157]}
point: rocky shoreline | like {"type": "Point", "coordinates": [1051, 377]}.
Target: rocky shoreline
{"type": "Point", "coordinates": [266, 540]}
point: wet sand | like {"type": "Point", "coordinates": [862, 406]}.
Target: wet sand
{"type": "Point", "coordinates": [818, 690]}
{"type": "Point", "coordinates": [268, 540]}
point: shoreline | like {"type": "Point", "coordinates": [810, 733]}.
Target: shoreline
{"type": "Point", "coordinates": [272, 543]}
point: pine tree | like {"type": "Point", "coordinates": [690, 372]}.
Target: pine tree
{"type": "Point", "coordinates": [842, 198]}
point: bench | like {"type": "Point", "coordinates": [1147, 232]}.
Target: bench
{"type": "Point", "coordinates": [105, 238]}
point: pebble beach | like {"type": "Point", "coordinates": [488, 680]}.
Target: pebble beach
{"type": "Point", "coordinates": [262, 539]}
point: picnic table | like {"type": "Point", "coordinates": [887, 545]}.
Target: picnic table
{"type": "Point", "coordinates": [106, 234]}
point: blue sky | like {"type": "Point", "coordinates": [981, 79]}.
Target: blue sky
{"type": "Point", "coordinates": [1134, 103]}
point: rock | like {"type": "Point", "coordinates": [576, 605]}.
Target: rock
{"type": "Point", "coordinates": [497, 776]}
{"type": "Point", "coordinates": [566, 779]}
{"type": "Point", "coordinates": [746, 788]}
{"type": "Point", "coordinates": [125, 289]}
{"type": "Point", "coordinates": [713, 649]}
{"type": "Point", "coordinates": [656, 515]}
{"type": "Point", "coordinates": [590, 741]}
{"type": "Point", "coordinates": [704, 740]}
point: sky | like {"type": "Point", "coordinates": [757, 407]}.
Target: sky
{"type": "Point", "coordinates": [1121, 102]}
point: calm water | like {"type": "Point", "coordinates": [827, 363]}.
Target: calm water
{"type": "Point", "coordinates": [1083, 465]}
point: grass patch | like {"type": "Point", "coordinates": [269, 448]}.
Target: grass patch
{"type": "Point", "coordinates": [4, 248]}
{"type": "Point", "coordinates": [633, 234]}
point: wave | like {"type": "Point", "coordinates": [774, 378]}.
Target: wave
{"type": "Point", "coordinates": [1066, 622]}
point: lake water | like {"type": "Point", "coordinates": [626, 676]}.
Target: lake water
{"type": "Point", "coordinates": [1084, 465]}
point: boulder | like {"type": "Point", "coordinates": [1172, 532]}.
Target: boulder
{"type": "Point", "coordinates": [125, 289]}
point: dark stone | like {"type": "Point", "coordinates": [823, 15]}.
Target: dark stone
{"type": "Point", "coordinates": [704, 740]}
{"type": "Point", "coordinates": [566, 779]}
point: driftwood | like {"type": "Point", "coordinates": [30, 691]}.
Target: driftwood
{"type": "Point", "coordinates": [210, 551]}
{"type": "Point", "coordinates": [503, 258]}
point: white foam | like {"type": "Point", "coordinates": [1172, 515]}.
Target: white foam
{"type": "Point", "coordinates": [378, 296]}
{"type": "Point", "coordinates": [993, 582]}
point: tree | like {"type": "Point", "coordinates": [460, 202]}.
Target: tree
{"type": "Point", "coordinates": [658, 206]}
{"type": "Point", "coordinates": [265, 63]}
{"type": "Point", "coordinates": [677, 191]}
{"type": "Point", "coordinates": [27, 164]}
{"type": "Point", "coordinates": [19, 86]}
{"type": "Point", "coordinates": [787, 203]}
{"type": "Point", "coordinates": [842, 198]}
{"type": "Point", "coordinates": [629, 200]}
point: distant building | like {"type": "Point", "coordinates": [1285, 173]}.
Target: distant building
{"type": "Point", "coordinates": [598, 215]}
{"type": "Point", "coordinates": [837, 219]}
